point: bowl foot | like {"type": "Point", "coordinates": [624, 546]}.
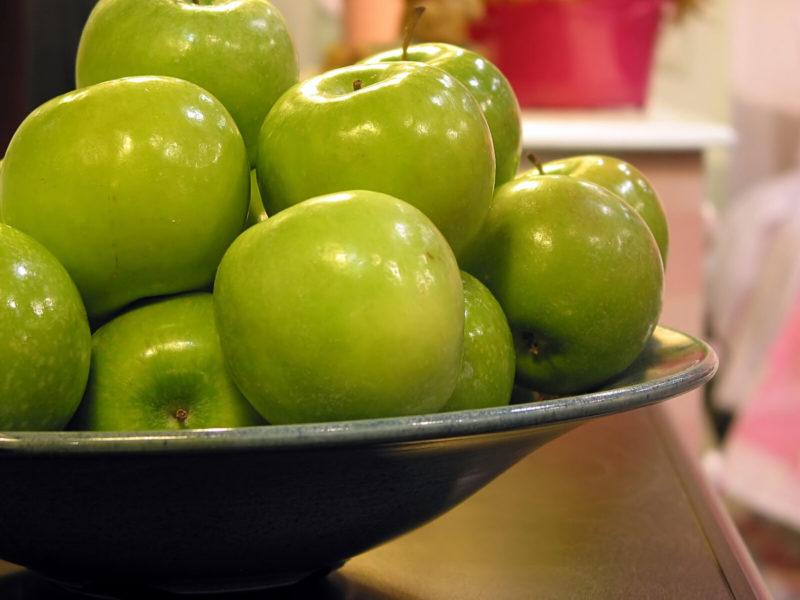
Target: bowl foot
{"type": "Point", "coordinates": [208, 589]}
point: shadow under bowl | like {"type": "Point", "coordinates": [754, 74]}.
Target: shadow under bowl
{"type": "Point", "coordinates": [238, 509]}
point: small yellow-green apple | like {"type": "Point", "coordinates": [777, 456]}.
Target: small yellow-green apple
{"type": "Point", "coordinates": [136, 185]}
{"type": "Point", "coordinates": [405, 129]}
{"type": "Point", "coordinates": [623, 179]}
{"type": "Point", "coordinates": [239, 50]}
{"type": "Point", "coordinates": [488, 360]}
{"type": "Point", "coordinates": [160, 366]}
{"type": "Point", "coordinates": [45, 343]}
{"type": "Point", "coordinates": [489, 87]}
{"type": "Point", "coordinates": [578, 274]}
{"type": "Point", "coordinates": [345, 306]}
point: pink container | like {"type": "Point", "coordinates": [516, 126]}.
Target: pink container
{"type": "Point", "coordinates": [573, 53]}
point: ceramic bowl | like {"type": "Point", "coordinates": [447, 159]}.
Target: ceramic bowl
{"type": "Point", "coordinates": [236, 509]}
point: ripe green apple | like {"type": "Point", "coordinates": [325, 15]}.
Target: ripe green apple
{"type": "Point", "coordinates": [345, 306]}
{"type": "Point", "coordinates": [137, 185]}
{"type": "Point", "coordinates": [488, 360]}
{"type": "Point", "coordinates": [623, 179]}
{"type": "Point", "coordinates": [404, 129]}
{"type": "Point", "coordinates": [256, 212]}
{"type": "Point", "coordinates": [578, 275]}
{"type": "Point", "coordinates": [160, 366]}
{"type": "Point", "coordinates": [489, 87]}
{"type": "Point", "coordinates": [45, 343]}
{"type": "Point", "coordinates": [239, 50]}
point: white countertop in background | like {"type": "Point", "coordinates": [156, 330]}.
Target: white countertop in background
{"type": "Point", "coordinates": [620, 129]}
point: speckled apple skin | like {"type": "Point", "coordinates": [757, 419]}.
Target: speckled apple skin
{"type": "Point", "coordinates": [45, 343]}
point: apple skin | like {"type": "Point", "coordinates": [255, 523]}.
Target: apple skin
{"type": "Point", "coordinates": [239, 50]}
{"type": "Point", "coordinates": [623, 179]}
{"type": "Point", "coordinates": [256, 212]}
{"type": "Point", "coordinates": [412, 131]}
{"type": "Point", "coordinates": [45, 343]}
{"type": "Point", "coordinates": [155, 360]}
{"type": "Point", "coordinates": [489, 87]}
{"type": "Point", "coordinates": [346, 306]}
{"type": "Point", "coordinates": [142, 188]}
{"type": "Point", "coordinates": [578, 275]}
{"type": "Point", "coordinates": [488, 359]}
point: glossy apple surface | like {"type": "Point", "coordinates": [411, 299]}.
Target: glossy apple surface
{"type": "Point", "coordinates": [45, 344]}
{"type": "Point", "coordinates": [411, 131]}
{"type": "Point", "coordinates": [346, 306]}
{"type": "Point", "coordinates": [137, 185]}
{"type": "Point", "coordinates": [623, 179]}
{"type": "Point", "coordinates": [488, 360]}
{"type": "Point", "coordinates": [489, 87]}
{"type": "Point", "coordinates": [160, 366]}
{"type": "Point", "coordinates": [578, 275]}
{"type": "Point", "coordinates": [239, 50]}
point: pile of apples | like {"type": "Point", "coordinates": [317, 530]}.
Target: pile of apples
{"type": "Point", "coordinates": [405, 267]}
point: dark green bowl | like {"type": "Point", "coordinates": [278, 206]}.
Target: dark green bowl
{"type": "Point", "coordinates": [234, 509]}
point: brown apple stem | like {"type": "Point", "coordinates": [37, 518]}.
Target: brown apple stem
{"type": "Point", "coordinates": [536, 163]}
{"type": "Point", "coordinates": [182, 414]}
{"type": "Point", "coordinates": [412, 18]}
{"type": "Point", "coordinates": [357, 85]}
{"type": "Point", "coordinates": [532, 344]}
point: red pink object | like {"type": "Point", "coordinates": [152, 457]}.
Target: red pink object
{"type": "Point", "coordinates": [573, 53]}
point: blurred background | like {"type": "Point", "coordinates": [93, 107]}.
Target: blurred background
{"type": "Point", "coordinates": [702, 95]}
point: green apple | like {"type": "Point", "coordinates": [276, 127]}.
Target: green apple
{"type": "Point", "coordinates": [45, 344]}
{"type": "Point", "coordinates": [137, 185]}
{"type": "Point", "coordinates": [489, 87]}
{"type": "Point", "coordinates": [487, 363]}
{"type": "Point", "coordinates": [239, 50]}
{"type": "Point", "coordinates": [404, 129]}
{"type": "Point", "coordinates": [346, 306]}
{"type": "Point", "coordinates": [623, 179]}
{"type": "Point", "coordinates": [578, 275]}
{"type": "Point", "coordinates": [256, 213]}
{"type": "Point", "coordinates": [160, 366]}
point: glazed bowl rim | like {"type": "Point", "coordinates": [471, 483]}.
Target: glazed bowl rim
{"type": "Point", "coordinates": [369, 432]}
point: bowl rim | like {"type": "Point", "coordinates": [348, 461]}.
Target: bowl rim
{"type": "Point", "coordinates": [369, 432]}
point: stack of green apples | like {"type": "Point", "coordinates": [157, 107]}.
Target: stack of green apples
{"type": "Point", "coordinates": [405, 267]}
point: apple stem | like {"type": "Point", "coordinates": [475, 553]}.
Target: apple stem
{"type": "Point", "coordinates": [536, 163]}
{"type": "Point", "coordinates": [412, 18]}
{"type": "Point", "coordinates": [181, 414]}
{"type": "Point", "coordinates": [532, 344]}
{"type": "Point", "coordinates": [357, 85]}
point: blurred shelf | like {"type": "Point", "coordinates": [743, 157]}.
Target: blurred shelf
{"type": "Point", "coordinates": [620, 130]}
